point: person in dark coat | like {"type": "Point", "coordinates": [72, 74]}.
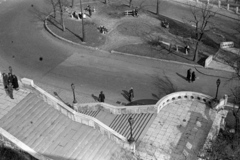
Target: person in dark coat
{"type": "Point", "coordinates": [101, 97]}
{"type": "Point", "coordinates": [130, 94]}
{"type": "Point", "coordinates": [189, 75]}
{"type": "Point", "coordinates": [15, 82]}
{"type": "Point", "coordinates": [5, 80]}
{"type": "Point", "coordinates": [193, 77]}
{"type": "Point", "coordinates": [10, 78]}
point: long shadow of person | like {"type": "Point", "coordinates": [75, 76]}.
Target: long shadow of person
{"type": "Point", "coordinates": [125, 94]}
{"type": "Point", "coordinates": [95, 98]}
{"type": "Point", "coordinates": [183, 77]}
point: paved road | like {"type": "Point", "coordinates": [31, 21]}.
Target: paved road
{"type": "Point", "coordinates": [26, 42]}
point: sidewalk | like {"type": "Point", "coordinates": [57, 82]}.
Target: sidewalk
{"type": "Point", "coordinates": [220, 11]}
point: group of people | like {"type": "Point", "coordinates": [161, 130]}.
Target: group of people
{"type": "Point", "coordinates": [191, 76]}
{"type": "Point", "coordinates": [90, 10]}
{"type": "Point", "coordinates": [130, 95]}
{"type": "Point", "coordinates": [102, 29]}
{"type": "Point", "coordinates": [10, 82]}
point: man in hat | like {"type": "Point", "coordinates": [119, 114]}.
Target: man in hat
{"type": "Point", "coordinates": [130, 94]}
{"type": "Point", "coordinates": [101, 97]}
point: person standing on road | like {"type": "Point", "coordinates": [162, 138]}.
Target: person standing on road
{"type": "Point", "coordinates": [101, 97]}
{"type": "Point", "coordinates": [189, 75]}
{"type": "Point", "coordinates": [130, 94]}
{"type": "Point", "coordinates": [15, 82]}
{"type": "Point", "coordinates": [193, 77]}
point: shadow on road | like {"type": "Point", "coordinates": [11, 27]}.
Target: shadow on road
{"type": "Point", "coordinates": [95, 98]}
{"type": "Point", "coordinates": [183, 77]}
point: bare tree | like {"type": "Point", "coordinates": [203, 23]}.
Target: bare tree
{"type": "Point", "coordinates": [61, 14]}
{"type": "Point", "coordinates": [54, 4]}
{"type": "Point", "coordinates": [72, 3]}
{"type": "Point", "coordinates": [202, 17]}
{"type": "Point", "coordinates": [157, 7]}
{"type": "Point", "coordinates": [130, 3]}
{"type": "Point", "coordinates": [106, 2]}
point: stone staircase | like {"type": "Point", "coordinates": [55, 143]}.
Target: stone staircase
{"type": "Point", "coordinates": [120, 123]}
{"type": "Point", "coordinates": [53, 134]}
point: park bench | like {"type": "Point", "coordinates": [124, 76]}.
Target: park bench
{"type": "Point", "coordinates": [133, 12]}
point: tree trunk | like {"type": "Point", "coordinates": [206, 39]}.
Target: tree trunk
{"type": "Point", "coordinates": [61, 14]}
{"type": "Point", "coordinates": [62, 22]}
{"type": "Point", "coordinates": [130, 3]}
{"type": "Point", "coordinates": [106, 2]}
{"type": "Point", "coordinates": [72, 3]}
{"type": "Point", "coordinates": [195, 59]}
{"type": "Point", "coordinates": [54, 8]}
{"type": "Point", "coordinates": [157, 9]}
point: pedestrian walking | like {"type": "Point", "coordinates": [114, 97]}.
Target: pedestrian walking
{"type": "Point", "coordinates": [15, 82]}
{"type": "Point", "coordinates": [187, 49]}
{"type": "Point", "coordinates": [130, 94]}
{"type": "Point", "coordinates": [101, 97]}
{"type": "Point", "coordinates": [189, 73]}
{"type": "Point", "coordinates": [193, 77]}
{"type": "Point", "coordinates": [89, 10]}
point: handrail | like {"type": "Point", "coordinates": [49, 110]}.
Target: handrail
{"type": "Point", "coordinates": [78, 117]}
{"type": "Point", "coordinates": [120, 109]}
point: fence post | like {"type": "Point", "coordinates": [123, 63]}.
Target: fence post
{"type": "Point", "coordinates": [227, 6]}
{"type": "Point", "coordinates": [219, 4]}
{"type": "Point", "coordinates": [207, 2]}
{"type": "Point", "coordinates": [236, 10]}
{"type": "Point", "coordinates": [176, 48]}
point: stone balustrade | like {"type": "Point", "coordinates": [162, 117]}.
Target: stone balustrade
{"type": "Point", "coordinates": [118, 109]}
{"type": "Point", "coordinates": [184, 95]}
{"type": "Point", "coordinates": [78, 117]}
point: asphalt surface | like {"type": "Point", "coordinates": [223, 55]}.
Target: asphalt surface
{"type": "Point", "coordinates": [34, 53]}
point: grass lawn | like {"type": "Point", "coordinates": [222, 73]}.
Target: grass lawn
{"type": "Point", "coordinates": [73, 31]}
{"type": "Point", "coordinates": [178, 33]}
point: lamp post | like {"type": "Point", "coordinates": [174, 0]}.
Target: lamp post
{"type": "Point", "coordinates": [83, 32]}
{"type": "Point", "coordinates": [131, 121]}
{"type": "Point", "coordinates": [74, 98]}
{"type": "Point", "coordinates": [218, 82]}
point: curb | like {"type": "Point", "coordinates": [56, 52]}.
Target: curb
{"type": "Point", "coordinates": [163, 60]}
{"type": "Point", "coordinates": [63, 39]}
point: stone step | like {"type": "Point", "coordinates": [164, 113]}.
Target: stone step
{"type": "Point", "coordinates": [27, 121]}
{"type": "Point", "coordinates": [9, 121]}
{"type": "Point", "coordinates": [91, 145]}
{"type": "Point", "coordinates": [103, 141]}
{"type": "Point", "coordinates": [53, 134]}
{"type": "Point", "coordinates": [141, 121]}
{"type": "Point", "coordinates": [106, 148]}
{"type": "Point", "coordinates": [99, 154]}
